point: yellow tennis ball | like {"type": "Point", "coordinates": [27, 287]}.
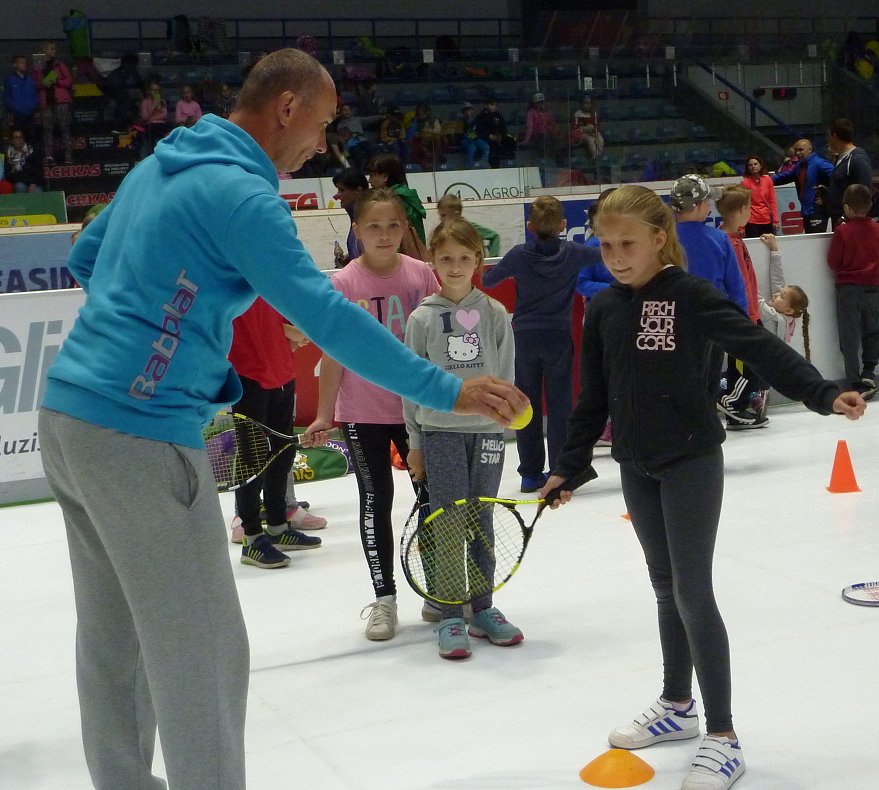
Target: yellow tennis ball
{"type": "Point", "coordinates": [521, 420]}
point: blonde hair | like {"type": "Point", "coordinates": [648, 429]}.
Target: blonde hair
{"type": "Point", "coordinates": [462, 232]}
{"type": "Point", "coordinates": [546, 216]}
{"type": "Point", "coordinates": [646, 206]}
{"type": "Point", "coordinates": [734, 198]}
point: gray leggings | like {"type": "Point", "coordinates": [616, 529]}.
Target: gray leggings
{"type": "Point", "coordinates": [675, 511]}
{"type": "Point", "coordinates": [458, 466]}
{"type": "Point", "coordinates": [160, 637]}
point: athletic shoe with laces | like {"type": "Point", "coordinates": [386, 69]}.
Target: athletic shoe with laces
{"type": "Point", "coordinates": [492, 625]}
{"type": "Point", "coordinates": [301, 519]}
{"type": "Point", "coordinates": [718, 764]}
{"type": "Point", "coordinates": [431, 613]}
{"type": "Point", "coordinates": [381, 622]}
{"type": "Point", "coordinates": [660, 722]}
{"type": "Point", "coordinates": [749, 422]}
{"type": "Point", "coordinates": [453, 641]}
{"type": "Point", "coordinates": [260, 553]}
{"type": "Point", "coordinates": [292, 539]}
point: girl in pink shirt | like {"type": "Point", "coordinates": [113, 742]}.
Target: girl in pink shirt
{"type": "Point", "coordinates": [764, 210]}
{"type": "Point", "coordinates": [187, 110]}
{"type": "Point", "coordinates": [390, 286]}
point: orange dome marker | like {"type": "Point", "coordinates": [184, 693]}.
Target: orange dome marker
{"type": "Point", "coordinates": [626, 516]}
{"type": "Point", "coordinates": [617, 768]}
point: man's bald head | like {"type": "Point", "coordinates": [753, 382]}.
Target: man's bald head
{"type": "Point", "coordinates": [802, 147]}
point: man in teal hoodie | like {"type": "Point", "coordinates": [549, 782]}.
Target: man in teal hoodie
{"type": "Point", "coordinates": [194, 233]}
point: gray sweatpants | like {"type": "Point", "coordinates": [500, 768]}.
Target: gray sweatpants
{"type": "Point", "coordinates": [458, 466]}
{"type": "Point", "coordinates": [160, 635]}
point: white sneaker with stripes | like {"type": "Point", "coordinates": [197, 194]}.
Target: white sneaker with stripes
{"type": "Point", "coordinates": [718, 764]}
{"type": "Point", "coordinates": [660, 722]}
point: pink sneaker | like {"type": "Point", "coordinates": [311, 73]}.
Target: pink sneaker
{"type": "Point", "coordinates": [300, 518]}
{"type": "Point", "coordinates": [237, 530]}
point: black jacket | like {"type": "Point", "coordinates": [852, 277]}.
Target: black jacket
{"type": "Point", "coordinates": [649, 359]}
{"type": "Point", "coordinates": [854, 169]}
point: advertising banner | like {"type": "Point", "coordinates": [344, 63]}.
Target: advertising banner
{"type": "Point", "coordinates": [32, 327]}
{"type": "Point", "coordinates": [25, 209]}
{"type": "Point", "coordinates": [34, 261]}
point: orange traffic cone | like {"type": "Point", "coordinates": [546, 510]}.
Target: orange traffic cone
{"type": "Point", "coordinates": [617, 768]}
{"type": "Point", "coordinates": [842, 478]}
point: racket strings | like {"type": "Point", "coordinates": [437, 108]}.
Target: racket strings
{"type": "Point", "coordinates": [465, 551]}
{"type": "Point", "coordinates": [237, 450]}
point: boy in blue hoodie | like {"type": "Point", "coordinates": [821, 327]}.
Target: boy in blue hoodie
{"type": "Point", "coordinates": [545, 270]}
{"type": "Point", "coordinates": [160, 635]}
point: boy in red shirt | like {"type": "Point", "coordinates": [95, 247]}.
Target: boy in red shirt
{"type": "Point", "coordinates": [263, 359]}
{"type": "Point", "coordinates": [854, 258]}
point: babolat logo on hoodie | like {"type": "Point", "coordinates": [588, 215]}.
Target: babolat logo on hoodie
{"type": "Point", "coordinates": [657, 330]}
{"type": "Point", "coordinates": [165, 346]}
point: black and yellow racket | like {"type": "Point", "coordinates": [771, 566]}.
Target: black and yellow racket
{"type": "Point", "coordinates": [463, 551]}
{"type": "Point", "coordinates": [240, 449]}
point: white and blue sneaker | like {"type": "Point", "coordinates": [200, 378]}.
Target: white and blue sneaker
{"type": "Point", "coordinates": [718, 764]}
{"type": "Point", "coordinates": [660, 722]}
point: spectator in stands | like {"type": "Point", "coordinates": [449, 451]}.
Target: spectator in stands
{"type": "Point", "coordinates": [807, 171]}
{"type": "Point", "coordinates": [472, 142]}
{"type": "Point", "coordinates": [22, 167]}
{"type": "Point", "coordinates": [852, 166]}
{"type": "Point", "coordinates": [541, 130]}
{"type": "Point", "coordinates": [350, 184]}
{"type": "Point", "coordinates": [353, 140]}
{"type": "Point", "coordinates": [187, 110]}
{"type": "Point", "coordinates": [425, 136]}
{"type": "Point", "coordinates": [492, 127]}
{"type": "Point", "coordinates": [452, 207]}
{"type": "Point", "coordinates": [392, 132]}
{"type": "Point", "coordinates": [226, 101]}
{"type": "Point", "coordinates": [20, 97]}
{"type": "Point", "coordinates": [584, 127]}
{"type": "Point", "coordinates": [764, 209]}
{"type": "Point", "coordinates": [369, 105]}
{"type": "Point", "coordinates": [124, 86]}
{"type": "Point", "coordinates": [55, 88]}
{"type": "Point", "coordinates": [154, 115]}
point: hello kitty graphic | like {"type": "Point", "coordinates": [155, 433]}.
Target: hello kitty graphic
{"type": "Point", "coordinates": [463, 348]}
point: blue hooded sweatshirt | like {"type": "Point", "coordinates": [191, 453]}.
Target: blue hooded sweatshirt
{"type": "Point", "coordinates": [193, 234]}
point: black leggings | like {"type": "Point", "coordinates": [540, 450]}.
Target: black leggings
{"type": "Point", "coordinates": [370, 447]}
{"type": "Point", "coordinates": [675, 512]}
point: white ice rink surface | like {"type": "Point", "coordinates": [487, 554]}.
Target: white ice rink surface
{"type": "Point", "coordinates": [329, 710]}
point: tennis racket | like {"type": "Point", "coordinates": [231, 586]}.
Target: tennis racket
{"type": "Point", "coordinates": [239, 449]}
{"type": "Point", "coordinates": [863, 594]}
{"type": "Point", "coordinates": [472, 547]}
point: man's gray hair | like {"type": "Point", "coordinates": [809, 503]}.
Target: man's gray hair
{"type": "Point", "coordinates": [284, 70]}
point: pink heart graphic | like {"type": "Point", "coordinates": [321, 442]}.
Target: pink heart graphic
{"type": "Point", "coordinates": [467, 318]}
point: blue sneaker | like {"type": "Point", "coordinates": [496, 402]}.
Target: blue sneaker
{"type": "Point", "coordinates": [262, 554]}
{"type": "Point", "coordinates": [453, 641]}
{"type": "Point", "coordinates": [532, 484]}
{"type": "Point", "coordinates": [293, 540]}
{"type": "Point", "coordinates": [492, 625]}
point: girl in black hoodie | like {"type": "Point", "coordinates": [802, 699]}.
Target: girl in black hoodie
{"type": "Point", "coordinates": [647, 362]}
